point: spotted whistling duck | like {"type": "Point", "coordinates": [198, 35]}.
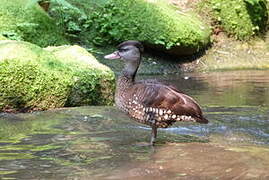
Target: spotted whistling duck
{"type": "Point", "coordinates": [150, 102]}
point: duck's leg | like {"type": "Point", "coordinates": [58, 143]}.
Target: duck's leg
{"type": "Point", "coordinates": [153, 135]}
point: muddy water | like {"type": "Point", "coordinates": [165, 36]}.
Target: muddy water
{"type": "Point", "coordinates": [103, 143]}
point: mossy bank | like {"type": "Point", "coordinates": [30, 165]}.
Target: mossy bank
{"type": "Point", "coordinates": [241, 19]}
{"type": "Point", "coordinates": [26, 20]}
{"type": "Point", "coordinates": [33, 78]}
{"type": "Point", "coordinates": [158, 24]}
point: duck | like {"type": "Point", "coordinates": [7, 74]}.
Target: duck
{"type": "Point", "coordinates": [150, 102]}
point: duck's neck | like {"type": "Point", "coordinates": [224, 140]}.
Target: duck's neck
{"type": "Point", "coordinates": [125, 83]}
{"type": "Point", "coordinates": [130, 70]}
{"type": "Point", "coordinates": [127, 77]}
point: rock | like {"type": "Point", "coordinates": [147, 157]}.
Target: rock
{"type": "Point", "coordinates": [93, 76]}
{"type": "Point", "coordinates": [33, 78]}
{"type": "Point", "coordinates": [157, 24]}
{"type": "Point", "coordinates": [241, 19]}
{"type": "Point", "coordinates": [26, 20]}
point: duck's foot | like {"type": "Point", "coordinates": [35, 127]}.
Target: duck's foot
{"type": "Point", "coordinates": [152, 139]}
{"type": "Point", "coordinates": [153, 135]}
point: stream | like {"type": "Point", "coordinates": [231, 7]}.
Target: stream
{"type": "Point", "coordinates": [101, 142]}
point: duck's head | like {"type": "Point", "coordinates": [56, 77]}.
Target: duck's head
{"type": "Point", "coordinates": [128, 51]}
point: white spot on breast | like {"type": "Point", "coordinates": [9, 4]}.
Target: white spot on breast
{"type": "Point", "coordinates": [161, 112]}
{"type": "Point", "coordinates": [166, 116]}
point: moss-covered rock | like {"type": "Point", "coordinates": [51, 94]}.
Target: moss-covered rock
{"type": "Point", "coordinates": [240, 18]}
{"type": "Point", "coordinates": [26, 20]}
{"type": "Point", "coordinates": [94, 82]}
{"type": "Point", "coordinates": [155, 23]}
{"type": "Point", "coordinates": [35, 78]}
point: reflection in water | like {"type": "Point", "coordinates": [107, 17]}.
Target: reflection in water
{"type": "Point", "coordinates": [101, 142]}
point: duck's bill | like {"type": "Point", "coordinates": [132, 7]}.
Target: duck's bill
{"type": "Point", "coordinates": [114, 55]}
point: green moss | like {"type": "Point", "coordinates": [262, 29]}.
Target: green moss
{"type": "Point", "coordinates": [240, 18]}
{"type": "Point", "coordinates": [34, 78]}
{"type": "Point", "coordinates": [156, 23]}
{"type": "Point", "coordinates": [26, 20]}
{"type": "Point", "coordinates": [153, 22]}
{"type": "Point", "coordinates": [30, 78]}
{"type": "Point", "coordinates": [94, 82]}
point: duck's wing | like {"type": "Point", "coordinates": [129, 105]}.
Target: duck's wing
{"type": "Point", "coordinates": [169, 99]}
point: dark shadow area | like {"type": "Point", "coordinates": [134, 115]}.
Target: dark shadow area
{"type": "Point", "coordinates": [258, 14]}
{"type": "Point", "coordinates": [177, 54]}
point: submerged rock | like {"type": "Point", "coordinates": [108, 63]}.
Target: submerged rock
{"type": "Point", "coordinates": [33, 78]}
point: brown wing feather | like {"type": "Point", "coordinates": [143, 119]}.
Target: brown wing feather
{"type": "Point", "coordinates": [168, 97]}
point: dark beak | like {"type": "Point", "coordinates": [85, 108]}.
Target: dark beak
{"type": "Point", "coordinates": [114, 55]}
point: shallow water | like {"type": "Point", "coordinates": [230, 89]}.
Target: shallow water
{"type": "Point", "coordinates": [103, 143]}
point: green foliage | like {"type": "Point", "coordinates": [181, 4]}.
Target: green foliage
{"type": "Point", "coordinates": [26, 20]}
{"type": "Point", "coordinates": [153, 23]}
{"type": "Point", "coordinates": [112, 21]}
{"type": "Point", "coordinates": [241, 18]}
{"type": "Point", "coordinates": [33, 78]}
{"type": "Point", "coordinates": [69, 18]}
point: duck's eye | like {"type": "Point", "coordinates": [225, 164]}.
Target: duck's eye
{"type": "Point", "coordinates": [123, 50]}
